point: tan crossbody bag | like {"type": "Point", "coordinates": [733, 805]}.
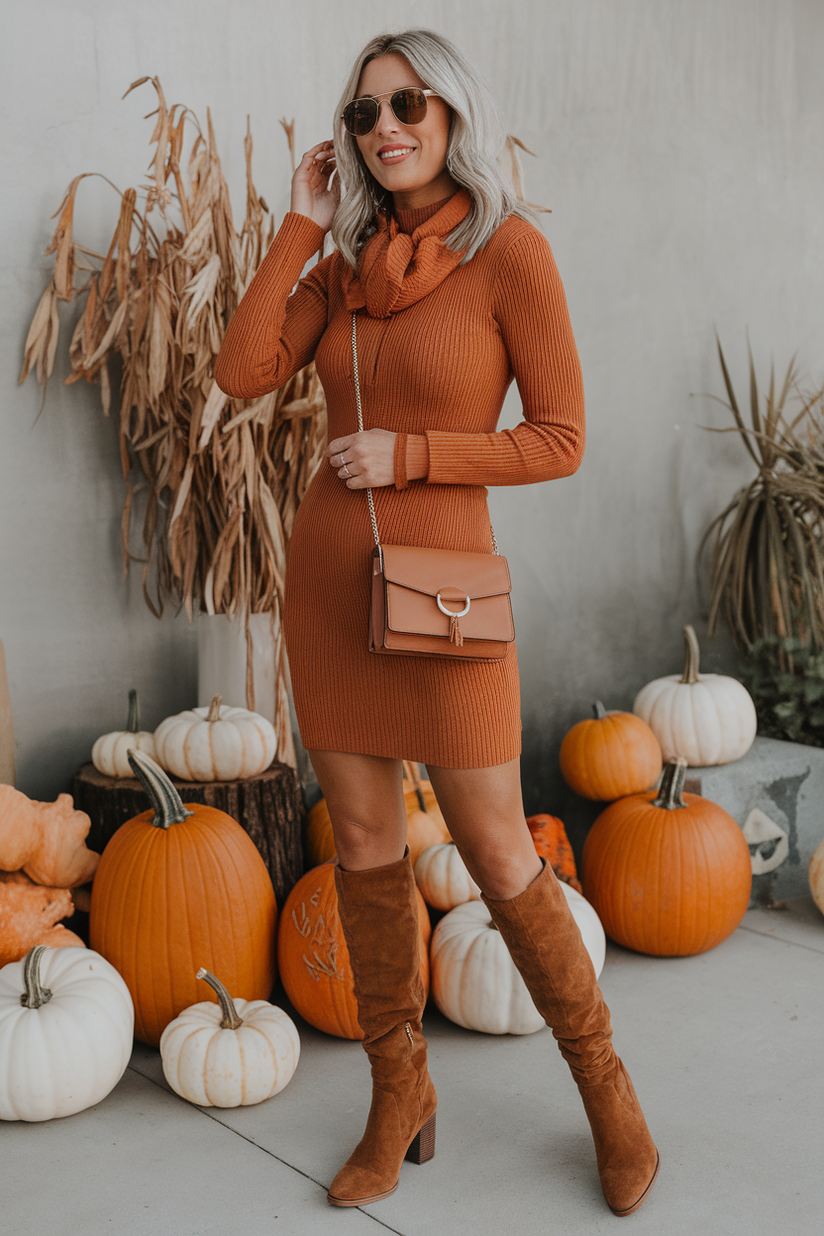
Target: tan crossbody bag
{"type": "Point", "coordinates": [435, 602]}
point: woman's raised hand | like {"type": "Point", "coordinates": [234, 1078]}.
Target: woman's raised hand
{"type": "Point", "coordinates": [364, 459]}
{"type": "Point", "coordinates": [315, 189]}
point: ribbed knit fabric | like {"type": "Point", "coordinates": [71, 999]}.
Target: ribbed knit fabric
{"type": "Point", "coordinates": [438, 370]}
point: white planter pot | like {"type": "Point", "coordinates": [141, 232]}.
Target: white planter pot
{"type": "Point", "coordinates": [221, 668]}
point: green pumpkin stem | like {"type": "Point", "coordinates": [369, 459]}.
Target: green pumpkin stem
{"type": "Point", "coordinates": [167, 803]}
{"type": "Point", "coordinates": [230, 1019]}
{"type": "Point", "coordinates": [670, 795]}
{"type": "Point", "coordinates": [35, 995]}
{"type": "Point", "coordinates": [133, 723]}
{"type": "Point", "coordinates": [693, 656]}
{"type": "Point", "coordinates": [598, 710]}
{"type": "Point", "coordinates": [214, 708]}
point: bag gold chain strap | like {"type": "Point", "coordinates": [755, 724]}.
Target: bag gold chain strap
{"type": "Point", "coordinates": [413, 589]}
{"type": "Point", "coordinates": [373, 517]}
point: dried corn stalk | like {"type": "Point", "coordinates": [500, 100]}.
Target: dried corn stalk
{"type": "Point", "coordinates": [222, 478]}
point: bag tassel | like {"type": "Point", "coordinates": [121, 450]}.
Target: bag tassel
{"type": "Point", "coordinates": [455, 636]}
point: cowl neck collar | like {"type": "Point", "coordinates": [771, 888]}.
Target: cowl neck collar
{"type": "Point", "coordinates": [396, 270]}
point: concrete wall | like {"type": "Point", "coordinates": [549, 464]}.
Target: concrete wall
{"type": "Point", "coordinates": [678, 146]}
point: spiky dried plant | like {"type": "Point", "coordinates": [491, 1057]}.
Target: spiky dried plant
{"type": "Point", "coordinates": [767, 571]}
{"type": "Point", "coordinates": [222, 478]}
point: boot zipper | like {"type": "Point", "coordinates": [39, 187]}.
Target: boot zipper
{"type": "Point", "coordinates": [408, 1030]}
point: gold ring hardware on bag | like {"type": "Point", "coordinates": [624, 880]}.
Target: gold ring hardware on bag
{"type": "Point", "coordinates": [455, 636]}
{"type": "Point", "coordinates": [452, 613]}
{"type": "Point", "coordinates": [407, 608]}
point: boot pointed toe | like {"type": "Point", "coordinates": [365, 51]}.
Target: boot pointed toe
{"type": "Point", "coordinates": [358, 1186]}
{"type": "Point", "coordinates": [619, 1194]}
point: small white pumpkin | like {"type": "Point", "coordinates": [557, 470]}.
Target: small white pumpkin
{"type": "Point", "coordinates": [230, 1054]}
{"type": "Point", "coordinates": [707, 718]}
{"type": "Point", "coordinates": [474, 979]}
{"type": "Point", "coordinates": [66, 1027]}
{"type": "Point", "coordinates": [217, 743]}
{"type": "Point", "coordinates": [109, 753]}
{"type": "Point", "coordinates": [443, 879]}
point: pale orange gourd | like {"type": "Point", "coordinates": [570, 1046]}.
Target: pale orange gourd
{"type": "Point", "coordinates": [30, 914]}
{"type": "Point", "coordinates": [669, 875]}
{"type": "Point", "coordinates": [46, 840]}
{"type": "Point", "coordinates": [610, 755]}
{"type": "Point", "coordinates": [179, 888]}
{"type": "Point", "coordinates": [313, 960]}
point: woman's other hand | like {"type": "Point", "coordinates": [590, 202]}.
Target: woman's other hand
{"type": "Point", "coordinates": [315, 188]}
{"type": "Point", "coordinates": [364, 459]}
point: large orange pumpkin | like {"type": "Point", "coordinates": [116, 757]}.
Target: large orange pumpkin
{"type": "Point", "coordinates": [610, 755]}
{"type": "Point", "coordinates": [179, 888]}
{"type": "Point", "coordinates": [669, 875]}
{"type": "Point", "coordinates": [313, 959]}
{"type": "Point", "coordinates": [424, 827]}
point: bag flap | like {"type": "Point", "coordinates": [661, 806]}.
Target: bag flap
{"type": "Point", "coordinates": [416, 613]}
{"type": "Point", "coordinates": [431, 570]}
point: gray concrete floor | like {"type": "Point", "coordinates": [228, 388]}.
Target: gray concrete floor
{"type": "Point", "coordinates": [725, 1051]}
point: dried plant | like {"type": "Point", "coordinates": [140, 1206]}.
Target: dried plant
{"type": "Point", "coordinates": [221, 478]}
{"type": "Point", "coordinates": [767, 571]}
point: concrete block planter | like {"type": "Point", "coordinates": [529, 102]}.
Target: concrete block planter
{"type": "Point", "coordinates": [776, 795]}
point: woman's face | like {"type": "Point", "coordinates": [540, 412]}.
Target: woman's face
{"type": "Point", "coordinates": [409, 161]}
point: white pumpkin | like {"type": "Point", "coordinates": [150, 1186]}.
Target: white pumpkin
{"type": "Point", "coordinates": [474, 979]}
{"type": "Point", "coordinates": [109, 753]}
{"type": "Point", "coordinates": [230, 1054]}
{"type": "Point", "coordinates": [707, 718]}
{"type": "Point", "coordinates": [816, 876]}
{"type": "Point", "coordinates": [217, 743]}
{"type": "Point", "coordinates": [443, 879]}
{"type": "Point", "coordinates": [66, 1027]}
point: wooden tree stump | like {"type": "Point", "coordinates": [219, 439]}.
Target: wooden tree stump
{"type": "Point", "coordinates": [268, 807]}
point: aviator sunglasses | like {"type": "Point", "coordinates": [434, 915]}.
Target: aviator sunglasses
{"type": "Point", "coordinates": [408, 106]}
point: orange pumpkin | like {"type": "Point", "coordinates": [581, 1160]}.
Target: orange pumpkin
{"type": "Point", "coordinates": [610, 755]}
{"type": "Point", "coordinates": [424, 828]}
{"type": "Point", "coordinates": [313, 959]}
{"type": "Point", "coordinates": [551, 842]}
{"type": "Point", "coordinates": [669, 875]}
{"type": "Point", "coordinates": [181, 887]}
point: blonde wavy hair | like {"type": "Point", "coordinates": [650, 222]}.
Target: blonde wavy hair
{"type": "Point", "coordinates": [477, 137]}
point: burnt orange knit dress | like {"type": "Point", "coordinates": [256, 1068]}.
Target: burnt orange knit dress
{"type": "Point", "coordinates": [438, 345]}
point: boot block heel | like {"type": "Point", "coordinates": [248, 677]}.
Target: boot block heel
{"type": "Point", "coordinates": [422, 1148]}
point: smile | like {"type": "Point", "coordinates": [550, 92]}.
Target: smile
{"type": "Point", "coordinates": [392, 156]}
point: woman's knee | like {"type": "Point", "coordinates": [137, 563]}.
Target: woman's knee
{"type": "Point", "coordinates": [368, 841]}
{"type": "Point", "coordinates": [501, 867]}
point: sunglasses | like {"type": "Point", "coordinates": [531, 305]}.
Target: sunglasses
{"type": "Point", "coordinates": [408, 106]}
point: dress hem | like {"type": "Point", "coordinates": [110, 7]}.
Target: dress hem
{"type": "Point", "coordinates": [416, 756]}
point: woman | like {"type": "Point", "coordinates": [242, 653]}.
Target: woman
{"type": "Point", "coordinates": [455, 292]}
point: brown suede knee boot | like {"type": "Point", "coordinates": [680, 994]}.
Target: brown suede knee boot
{"type": "Point", "coordinates": [545, 943]}
{"type": "Point", "coordinates": [379, 915]}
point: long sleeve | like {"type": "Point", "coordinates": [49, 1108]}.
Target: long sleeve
{"type": "Point", "coordinates": [530, 308]}
{"type": "Point", "coordinates": [273, 335]}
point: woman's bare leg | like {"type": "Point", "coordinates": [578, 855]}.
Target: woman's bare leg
{"type": "Point", "coordinates": [364, 796]}
{"type": "Point", "coordinates": [484, 812]}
